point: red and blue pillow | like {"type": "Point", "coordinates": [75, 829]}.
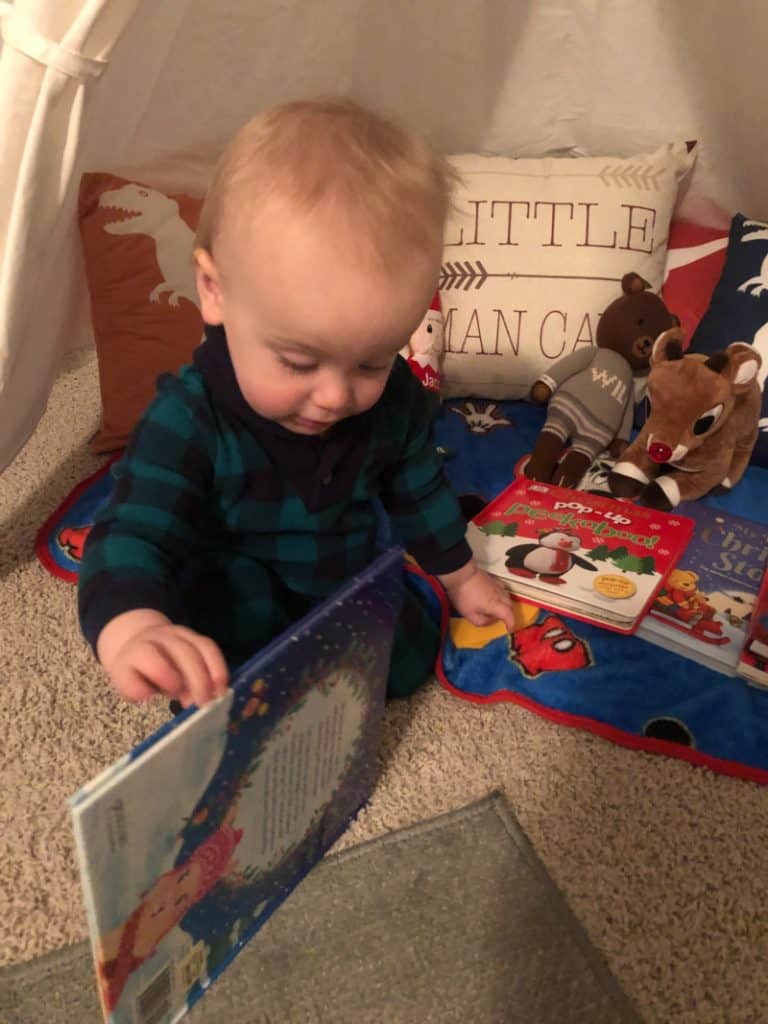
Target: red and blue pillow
{"type": "Point", "coordinates": [738, 310]}
{"type": "Point", "coordinates": [695, 260]}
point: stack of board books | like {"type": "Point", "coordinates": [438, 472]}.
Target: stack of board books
{"type": "Point", "coordinates": [705, 607]}
{"type": "Point", "coordinates": [589, 556]}
{"type": "Point", "coordinates": [753, 660]}
{"type": "Point", "coordinates": [189, 843]}
{"type": "Point", "coordinates": [712, 606]}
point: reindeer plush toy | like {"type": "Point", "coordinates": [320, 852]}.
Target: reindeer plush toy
{"type": "Point", "coordinates": [701, 428]}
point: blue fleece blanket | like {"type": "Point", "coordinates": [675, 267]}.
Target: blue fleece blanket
{"type": "Point", "coordinates": [623, 688]}
{"type": "Point", "coordinates": [620, 687]}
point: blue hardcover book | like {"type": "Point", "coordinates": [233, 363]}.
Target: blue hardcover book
{"type": "Point", "coordinates": [704, 607]}
{"type": "Point", "coordinates": [190, 842]}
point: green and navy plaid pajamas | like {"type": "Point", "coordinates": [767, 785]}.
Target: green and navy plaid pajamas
{"type": "Point", "coordinates": [232, 525]}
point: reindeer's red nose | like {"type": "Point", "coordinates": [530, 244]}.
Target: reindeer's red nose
{"type": "Point", "coordinates": [659, 451]}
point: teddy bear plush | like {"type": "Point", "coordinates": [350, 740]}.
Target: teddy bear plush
{"type": "Point", "coordinates": [701, 428]}
{"type": "Point", "coordinates": [590, 393]}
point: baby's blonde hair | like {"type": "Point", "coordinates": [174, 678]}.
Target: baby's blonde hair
{"type": "Point", "coordinates": [394, 190]}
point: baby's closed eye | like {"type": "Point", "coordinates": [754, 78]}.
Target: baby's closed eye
{"type": "Point", "coordinates": [373, 369]}
{"type": "Point", "coordinates": [294, 367]}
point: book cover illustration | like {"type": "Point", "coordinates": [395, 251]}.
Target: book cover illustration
{"type": "Point", "coordinates": [704, 608]}
{"type": "Point", "coordinates": [753, 657]}
{"type": "Point", "coordinates": [587, 555]}
{"type": "Point", "coordinates": [190, 842]}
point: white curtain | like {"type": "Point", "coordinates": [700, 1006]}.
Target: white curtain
{"type": "Point", "coordinates": [153, 88]}
{"type": "Point", "coordinates": [517, 76]}
{"type": "Point", "coordinates": [55, 56]}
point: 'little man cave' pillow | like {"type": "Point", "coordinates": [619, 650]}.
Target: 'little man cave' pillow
{"type": "Point", "coordinates": [536, 250]}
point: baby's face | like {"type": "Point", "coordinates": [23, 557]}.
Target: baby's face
{"type": "Point", "coordinates": [313, 325]}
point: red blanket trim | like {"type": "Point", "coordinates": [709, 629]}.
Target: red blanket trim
{"type": "Point", "coordinates": [43, 535]}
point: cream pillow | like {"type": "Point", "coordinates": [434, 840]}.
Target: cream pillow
{"type": "Point", "coordinates": [536, 250]}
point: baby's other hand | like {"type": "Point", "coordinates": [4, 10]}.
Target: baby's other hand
{"type": "Point", "coordinates": [480, 597]}
{"type": "Point", "coordinates": [144, 654]}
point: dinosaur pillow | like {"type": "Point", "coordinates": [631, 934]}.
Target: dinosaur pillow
{"type": "Point", "coordinates": [739, 308]}
{"type": "Point", "coordinates": [137, 243]}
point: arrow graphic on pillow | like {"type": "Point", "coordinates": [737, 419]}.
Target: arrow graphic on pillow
{"type": "Point", "coordinates": [467, 274]}
{"type": "Point", "coordinates": [632, 175]}
{"type": "Point", "coordinates": [458, 275]}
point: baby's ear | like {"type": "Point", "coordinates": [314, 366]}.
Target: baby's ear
{"type": "Point", "coordinates": [208, 287]}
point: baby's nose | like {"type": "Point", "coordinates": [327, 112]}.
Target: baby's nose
{"type": "Point", "coordinates": [333, 393]}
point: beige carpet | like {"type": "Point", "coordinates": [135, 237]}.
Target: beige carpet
{"type": "Point", "coordinates": [395, 952]}
{"type": "Point", "coordinates": [665, 865]}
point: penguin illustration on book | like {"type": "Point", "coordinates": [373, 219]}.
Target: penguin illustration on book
{"type": "Point", "coordinates": [550, 559]}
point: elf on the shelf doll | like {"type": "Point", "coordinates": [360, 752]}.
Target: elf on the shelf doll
{"type": "Point", "coordinates": [424, 351]}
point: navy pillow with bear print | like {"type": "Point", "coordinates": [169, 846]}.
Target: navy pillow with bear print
{"type": "Point", "coordinates": [738, 310]}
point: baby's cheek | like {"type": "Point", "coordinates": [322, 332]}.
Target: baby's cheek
{"type": "Point", "coordinates": [368, 394]}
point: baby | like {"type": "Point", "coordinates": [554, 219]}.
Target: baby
{"type": "Point", "coordinates": [252, 487]}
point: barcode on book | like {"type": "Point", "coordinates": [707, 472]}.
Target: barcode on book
{"type": "Point", "coordinates": [154, 1003]}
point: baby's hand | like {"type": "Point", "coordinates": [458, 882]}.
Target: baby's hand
{"type": "Point", "coordinates": [480, 597]}
{"type": "Point", "coordinates": [144, 654]}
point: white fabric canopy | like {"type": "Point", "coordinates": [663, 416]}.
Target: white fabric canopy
{"type": "Point", "coordinates": [154, 89]}
{"type": "Point", "coordinates": [54, 53]}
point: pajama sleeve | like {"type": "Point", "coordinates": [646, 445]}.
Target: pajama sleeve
{"type": "Point", "coordinates": [416, 493]}
{"type": "Point", "coordinates": [141, 539]}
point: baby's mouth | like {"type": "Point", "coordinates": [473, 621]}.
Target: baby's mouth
{"type": "Point", "coordinates": [310, 424]}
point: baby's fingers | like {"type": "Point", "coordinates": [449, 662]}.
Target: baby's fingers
{"type": "Point", "coordinates": [501, 607]}
{"type": "Point", "coordinates": [188, 662]}
{"type": "Point", "coordinates": [481, 618]}
{"type": "Point", "coordinates": [132, 685]}
{"type": "Point", "coordinates": [213, 659]}
{"type": "Point", "coordinates": [153, 664]}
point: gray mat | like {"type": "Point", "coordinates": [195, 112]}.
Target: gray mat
{"type": "Point", "coordinates": [452, 920]}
